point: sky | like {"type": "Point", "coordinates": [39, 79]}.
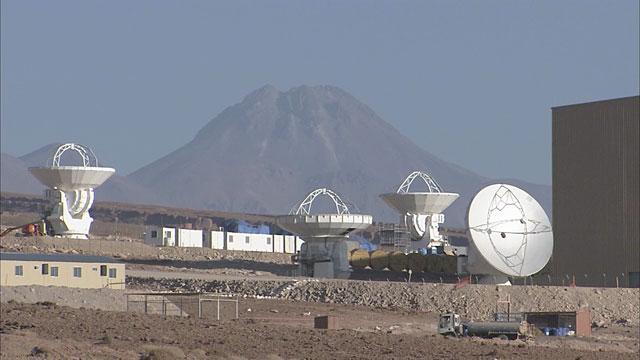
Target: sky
{"type": "Point", "coordinates": [472, 82]}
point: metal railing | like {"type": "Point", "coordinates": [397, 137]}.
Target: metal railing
{"type": "Point", "coordinates": [182, 304]}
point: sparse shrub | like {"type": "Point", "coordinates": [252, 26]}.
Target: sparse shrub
{"type": "Point", "coordinates": [163, 353]}
{"type": "Point", "coordinates": [107, 339]}
{"type": "Point", "coordinates": [40, 350]}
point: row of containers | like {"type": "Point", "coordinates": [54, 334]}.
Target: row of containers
{"type": "Point", "coordinates": [400, 261]}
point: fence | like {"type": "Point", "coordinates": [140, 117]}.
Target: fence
{"type": "Point", "coordinates": [570, 280]}
{"type": "Point", "coordinates": [203, 305]}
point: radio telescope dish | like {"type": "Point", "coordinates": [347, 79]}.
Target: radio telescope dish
{"type": "Point", "coordinates": [70, 190]}
{"type": "Point", "coordinates": [303, 223]}
{"type": "Point", "coordinates": [324, 253]}
{"type": "Point", "coordinates": [421, 211]}
{"type": "Point", "coordinates": [88, 175]}
{"type": "Point", "coordinates": [510, 230]}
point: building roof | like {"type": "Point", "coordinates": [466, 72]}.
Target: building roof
{"type": "Point", "coordinates": [56, 257]}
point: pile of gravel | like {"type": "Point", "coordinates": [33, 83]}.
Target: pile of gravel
{"type": "Point", "coordinates": [476, 302]}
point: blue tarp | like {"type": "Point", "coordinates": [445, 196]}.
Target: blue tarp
{"type": "Point", "coordinates": [364, 243]}
{"type": "Point", "coordinates": [242, 226]}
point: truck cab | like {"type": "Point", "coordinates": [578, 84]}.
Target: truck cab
{"type": "Point", "coordinates": [450, 325]}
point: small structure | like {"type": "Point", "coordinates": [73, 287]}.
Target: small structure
{"type": "Point", "coordinates": [328, 322]}
{"type": "Point", "coordinates": [561, 323]}
{"type": "Point", "coordinates": [189, 238]}
{"type": "Point", "coordinates": [79, 271]}
{"type": "Point", "coordinates": [160, 236]}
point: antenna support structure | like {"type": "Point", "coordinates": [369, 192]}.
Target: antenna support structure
{"type": "Point", "coordinates": [324, 252]}
{"type": "Point", "coordinates": [71, 190]}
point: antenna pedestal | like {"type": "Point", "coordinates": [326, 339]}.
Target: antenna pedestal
{"type": "Point", "coordinates": [70, 212]}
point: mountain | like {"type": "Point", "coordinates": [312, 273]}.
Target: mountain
{"type": "Point", "coordinates": [266, 153]}
{"type": "Point", "coordinates": [14, 176]}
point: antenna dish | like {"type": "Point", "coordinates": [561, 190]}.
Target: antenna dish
{"type": "Point", "coordinates": [70, 190]}
{"type": "Point", "coordinates": [87, 175]}
{"type": "Point", "coordinates": [324, 253]}
{"type": "Point", "coordinates": [303, 223]}
{"type": "Point", "coordinates": [510, 230]}
{"type": "Point", "coordinates": [434, 201]}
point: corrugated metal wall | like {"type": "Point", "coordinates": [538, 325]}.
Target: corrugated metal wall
{"type": "Point", "coordinates": [596, 191]}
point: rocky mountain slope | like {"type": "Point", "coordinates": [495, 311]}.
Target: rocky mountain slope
{"type": "Point", "coordinates": [267, 152]}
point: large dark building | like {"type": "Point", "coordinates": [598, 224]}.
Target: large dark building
{"type": "Point", "coordinates": [596, 192]}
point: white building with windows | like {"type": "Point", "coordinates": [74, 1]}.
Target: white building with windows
{"type": "Point", "coordinates": [160, 236]}
{"type": "Point", "coordinates": [79, 271]}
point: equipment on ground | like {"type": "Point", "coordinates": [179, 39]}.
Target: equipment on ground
{"type": "Point", "coordinates": [70, 190]}
{"type": "Point", "coordinates": [421, 211]}
{"type": "Point", "coordinates": [324, 253]}
{"type": "Point", "coordinates": [510, 233]}
{"type": "Point", "coordinates": [450, 324]}
{"type": "Point", "coordinates": [30, 229]}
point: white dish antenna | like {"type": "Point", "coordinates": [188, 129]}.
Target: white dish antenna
{"type": "Point", "coordinates": [88, 175]}
{"type": "Point", "coordinates": [303, 223]}
{"type": "Point", "coordinates": [324, 253]}
{"type": "Point", "coordinates": [434, 201]}
{"type": "Point", "coordinates": [510, 230]}
{"type": "Point", "coordinates": [421, 211]}
{"type": "Point", "coordinates": [71, 189]}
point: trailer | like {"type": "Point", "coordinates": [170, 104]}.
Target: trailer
{"type": "Point", "coordinates": [450, 325]}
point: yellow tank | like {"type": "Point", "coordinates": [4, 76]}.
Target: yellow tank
{"type": "Point", "coordinates": [415, 262]}
{"type": "Point", "coordinates": [397, 261]}
{"type": "Point", "coordinates": [359, 258]}
{"type": "Point", "coordinates": [379, 259]}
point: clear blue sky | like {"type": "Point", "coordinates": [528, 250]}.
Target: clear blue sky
{"type": "Point", "coordinates": [470, 81]}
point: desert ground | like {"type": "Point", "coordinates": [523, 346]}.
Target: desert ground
{"type": "Point", "coordinates": [381, 315]}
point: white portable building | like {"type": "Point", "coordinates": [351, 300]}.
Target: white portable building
{"type": "Point", "coordinates": [249, 242]}
{"type": "Point", "coordinates": [160, 236]}
{"type": "Point", "coordinates": [278, 243]}
{"type": "Point", "coordinates": [213, 239]}
{"type": "Point", "coordinates": [189, 238]}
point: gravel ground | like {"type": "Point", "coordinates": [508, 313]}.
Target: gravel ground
{"type": "Point", "coordinates": [477, 302]}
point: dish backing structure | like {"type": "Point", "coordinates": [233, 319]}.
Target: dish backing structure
{"type": "Point", "coordinates": [71, 190]}
{"type": "Point", "coordinates": [324, 252]}
{"type": "Point", "coordinates": [511, 235]}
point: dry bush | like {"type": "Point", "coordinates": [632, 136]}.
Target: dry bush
{"type": "Point", "coordinates": [40, 350]}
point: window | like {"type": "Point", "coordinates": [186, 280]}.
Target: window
{"type": "Point", "coordinates": [167, 234]}
{"type": "Point", "coordinates": [154, 234]}
{"type": "Point", "coordinates": [54, 271]}
{"type": "Point", "coordinates": [18, 270]}
{"type": "Point", "coordinates": [230, 238]}
{"type": "Point", "coordinates": [113, 272]}
{"type": "Point", "coordinates": [103, 270]}
{"type": "Point", "coordinates": [77, 271]}
{"type": "Point", "coordinates": [45, 269]}
{"type": "Point", "coordinates": [246, 239]}
{"type": "Point", "coordinates": [268, 241]}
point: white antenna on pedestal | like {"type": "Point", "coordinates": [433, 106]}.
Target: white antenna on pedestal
{"type": "Point", "coordinates": [71, 190]}
{"type": "Point", "coordinates": [324, 253]}
{"type": "Point", "coordinates": [421, 211]}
